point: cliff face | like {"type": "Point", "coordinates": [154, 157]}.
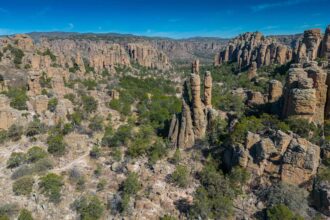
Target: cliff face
{"type": "Point", "coordinates": [254, 47]}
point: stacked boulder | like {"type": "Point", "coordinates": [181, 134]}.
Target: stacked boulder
{"type": "Point", "coordinates": [305, 93]}
{"type": "Point", "coordinates": [190, 125]}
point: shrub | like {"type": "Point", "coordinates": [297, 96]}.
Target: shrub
{"type": "Point", "coordinates": [17, 53]}
{"type": "Point", "coordinates": [214, 198]}
{"type": "Point", "coordinates": [52, 103]}
{"type": "Point", "coordinates": [302, 127]}
{"type": "Point", "coordinates": [167, 217]}
{"type": "Point", "coordinates": [16, 159]}
{"type": "Point", "coordinates": [15, 132]}
{"type": "Point", "coordinates": [96, 123]}
{"type": "Point", "coordinates": [90, 84]}
{"type": "Point", "coordinates": [36, 153]}
{"type": "Point", "coordinates": [8, 209]}
{"type": "Point", "coordinates": [157, 151]}
{"type": "Point", "coordinates": [42, 165]}
{"type": "Point", "coordinates": [56, 144]}
{"type": "Point", "coordinates": [180, 176]}
{"type": "Point", "coordinates": [18, 98]}
{"type": "Point", "coordinates": [51, 185]}
{"type": "Point", "coordinates": [100, 186]}
{"type": "Point", "coordinates": [23, 185]}
{"type": "Point", "coordinates": [3, 136]}
{"type": "Point", "coordinates": [281, 212]}
{"type": "Point", "coordinates": [70, 97]}
{"type": "Point", "coordinates": [292, 196]}
{"type": "Point", "coordinates": [50, 54]}
{"type": "Point", "coordinates": [25, 215]}
{"type": "Point", "coordinates": [89, 207]}
{"type": "Point", "coordinates": [35, 127]}
{"type": "Point", "coordinates": [176, 157]}
{"type": "Point", "coordinates": [45, 81]}
{"type": "Point", "coordinates": [89, 104]}
{"type": "Point", "coordinates": [116, 154]}
{"type": "Point", "coordinates": [129, 188]}
{"type": "Point", "coordinates": [76, 118]}
{"type": "Point", "coordinates": [106, 139]}
{"type": "Point", "coordinates": [22, 171]}
{"type": "Point", "coordinates": [95, 152]}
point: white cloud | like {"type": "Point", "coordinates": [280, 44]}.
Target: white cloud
{"type": "Point", "coordinates": [261, 7]}
{"type": "Point", "coordinates": [71, 26]}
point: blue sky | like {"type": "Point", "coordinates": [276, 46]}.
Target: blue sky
{"type": "Point", "coordinates": [166, 18]}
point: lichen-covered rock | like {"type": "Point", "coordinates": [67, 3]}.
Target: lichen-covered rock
{"type": "Point", "coordinates": [208, 90]}
{"type": "Point", "coordinates": [300, 161]}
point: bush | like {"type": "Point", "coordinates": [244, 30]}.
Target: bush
{"type": "Point", "coordinates": [45, 81]}
{"type": "Point", "coordinates": [51, 185]}
{"type": "Point", "coordinates": [25, 215]}
{"type": "Point", "coordinates": [291, 196]}
{"type": "Point", "coordinates": [52, 103]}
{"type": "Point", "coordinates": [89, 207]}
{"type": "Point", "coordinates": [167, 217]}
{"type": "Point", "coordinates": [176, 158]}
{"type": "Point", "coordinates": [50, 54]}
{"type": "Point", "coordinates": [89, 104]}
{"type": "Point", "coordinates": [8, 209]}
{"type": "Point", "coordinates": [23, 186]}
{"type": "Point", "coordinates": [16, 159]}
{"type": "Point", "coordinates": [15, 132]}
{"type": "Point", "coordinates": [95, 152]}
{"type": "Point", "coordinates": [18, 98]}
{"type": "Point", "coordinates": [303, 128]}
{"type": "Point", "coordinates": [36, 153]}
{"type": "Point", "coordinates": [96, 123]}
{"type": "Point", "coordinates": [90, 84]}
{"type": "Point", "coordinates": [180, 176]}
{"type": "Point", "coordinates": [3, 136]}
{"type": "Point", "coordinates": [42, 165]}
{"type": "Point", "coordinates": [17, 53]}
{"type": "Point", "coordinates": [100, 186]}
{"type": "Point", "coordinates": [157, 152]}
{"type": "Point", "coordinates": [35, 127]}
{"type": "Point", "coordinates": [281, 212]}
{"type": "Point", "coordinates": [214, 198]}
{"type": "Point", "coordinates": [56, 145]}
{"type": "Point", "coordinates": [129, 188]}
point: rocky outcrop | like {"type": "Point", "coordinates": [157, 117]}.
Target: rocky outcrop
{"type": "Point", "coordinates": [148, 56]}
{"type": "Point", "coordinates": [321, 197]}
{"type": "Point", "coordinates": [191, 123]}
{"type": "Point", "coordinates": [278, 155]}
{"type": "Point", "coordinates": [305, 93]}
{"type": "Point", "coordinates": [254, 47]}
{"type": "Point", "coordinates": [309, 47]}
{"type": "Point", "coordinates": [252, 72]}
{"type": "Point", "coordinates": [326, 44]}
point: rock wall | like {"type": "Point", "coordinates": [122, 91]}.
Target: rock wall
{"type": "Point", "coordinates": [148, 56]}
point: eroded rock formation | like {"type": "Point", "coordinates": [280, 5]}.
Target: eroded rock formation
{"type": "Point", "coordinates": [305, 93]}
{"type": "Point", "coordinates": [254, 47]}
{"type": "Point", "coordinates": [291, 159]}
{"type": "Point", "coordinates": [191, 123]}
